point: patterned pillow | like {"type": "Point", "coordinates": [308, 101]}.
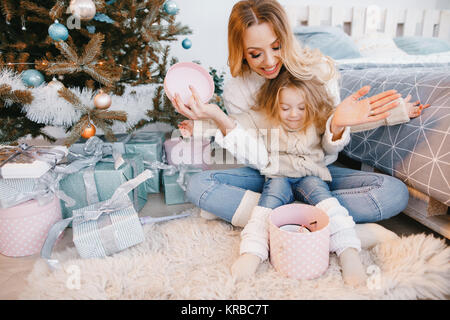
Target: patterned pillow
{"type": "Point", "coordinates": [378, 44]}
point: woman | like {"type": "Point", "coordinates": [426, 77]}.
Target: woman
{"type": "Point", "coordinates": [260, 44]}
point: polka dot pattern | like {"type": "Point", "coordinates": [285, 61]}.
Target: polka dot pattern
{"type": "Point", "coordinates": [299, 255]}
{"type": "Point", "coordinates": [24, 234]}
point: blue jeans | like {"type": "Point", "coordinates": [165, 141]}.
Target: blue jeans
{"type": "Point", "coordinates": [368, 196]}
{"type": "Point", "coordinates": [280, 191]}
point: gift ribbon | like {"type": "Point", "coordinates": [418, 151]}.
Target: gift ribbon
{"type": "Point", "coordinates": [117, 202]}
{"type": "Point", "coordinates": [96, 148]}
{"type": "Point", "coordinates": [94, 151]}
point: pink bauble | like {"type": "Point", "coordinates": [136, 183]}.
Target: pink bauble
{"type": "Point", "coordinates": [102, 100]}
{"type": "Point", "coordinates": [83, 9]}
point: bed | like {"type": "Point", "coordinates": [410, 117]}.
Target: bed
{"type": "Point", "coordinates": [417, 152]}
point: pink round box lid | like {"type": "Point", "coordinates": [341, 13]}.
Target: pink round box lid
{"type": "Point", "coordinates": [181, 75]}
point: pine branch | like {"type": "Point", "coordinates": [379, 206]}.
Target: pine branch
{"type": "Point", "coordinates": [16, 96]}
{"type": "Point", "coordinates": [57, 10]}
{"type": "Point", "coordinates": [70, 97]}
{"type": "Point", "coordinates": [92, 49]}
{"type": "Point", "coordinates": [34, 8]}
{"type": "Point", "coordinates": [111, 115]}
{"type": "Point", "coordinates": [7, 9]}
{"type": "Point", "coordinates": [75, 132]}
{"type": "Point", "coordinates": [67, 51]}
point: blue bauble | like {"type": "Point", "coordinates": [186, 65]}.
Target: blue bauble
{"type": "Point", "coordinates": [32, 78]}
{"type": "Point", "coordinates": [58, 32]}
{"type": "Point", "coordinates": [170, 7]}
{"type": "Point", "coordinates": [187, 44]}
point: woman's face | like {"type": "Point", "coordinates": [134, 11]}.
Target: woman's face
{"type": "Point", "coordinates": [292, 108]}
{"type": "Point", "coordinates": [262, 50]}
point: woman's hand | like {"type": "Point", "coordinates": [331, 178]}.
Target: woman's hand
{"type": "Point", "coordinates": [195, 109]}
{"type": "Point", "coordinates": [414, 108]}
{"type": "Point", "coordinates": [186, 128]}
{"type": "Point", "coordinates": [352, 111]}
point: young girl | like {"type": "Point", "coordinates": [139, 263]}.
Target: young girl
{"type": "Point", "coordinates": [291, 144]}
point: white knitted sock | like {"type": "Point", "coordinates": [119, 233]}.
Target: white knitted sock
{"type": "Point", "coordinates": [255, 235]}
{"type": "Point", "coordinates": [248, 202]}
{"type": "Point", "coordinates": [342, 231]}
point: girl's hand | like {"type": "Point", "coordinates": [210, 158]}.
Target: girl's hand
{"type": "Point", "coordinates": [195, 109]}
{"type": "Point", "coordinates": [414, 108]}
{"type": "Point", "coordinates": [187, 128]}
{"type": "Point", "coordinates": [352, 111]}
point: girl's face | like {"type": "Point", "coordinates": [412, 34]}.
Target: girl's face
{"type": "Point", "coordinates": [291, 108]}
{"type": "Point", "coordinates": [262, 50]}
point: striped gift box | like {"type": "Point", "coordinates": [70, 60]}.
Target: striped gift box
{"type": "Point", "coordinates": [109, 234]}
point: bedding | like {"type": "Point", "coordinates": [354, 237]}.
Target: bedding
{"type": "Point", "coordinates": [417, 152]}
{"type": "Point", "coordinates": [421, 45]}
{"type": "Point", "coordinates": [331, 41]}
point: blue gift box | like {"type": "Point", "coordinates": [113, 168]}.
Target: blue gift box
{"type": "Point", "coordinates": [173, 193]}
{"type": "Point", "coordinates": [150, 146]}
{"type": "Point", "coordinates": [98, 183]}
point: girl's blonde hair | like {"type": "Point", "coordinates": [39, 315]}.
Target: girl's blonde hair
{"type": "Point", "coordinates": [318, 103]}
{"type": "Point", "coordinates": [303, 63]}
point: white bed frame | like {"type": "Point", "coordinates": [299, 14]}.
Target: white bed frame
{"type": "Point", "coordinates": [356, 22]}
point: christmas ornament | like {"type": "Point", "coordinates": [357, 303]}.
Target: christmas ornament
{"type": "Point", "coordinates": [170, 7]}
{"type": "Point", "coordinates": [55, 84]}
{"type": "Point", "coordinates": [88, 131]}
{"type": "Point", "coordinates": [32, 78]}
{"type": "Point", "coordinates": [58, 31]}
{"type": "Point", "coordinates": [83, 9]}
{"type": "Point", "coordinates": [187, 44]}
{"type": "Point", "coordinates": [102, 100]}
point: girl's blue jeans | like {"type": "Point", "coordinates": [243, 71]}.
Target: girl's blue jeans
{"type": "Point", "coordinates": [280, 191]}
{"type": "Point", "coordinates": [368, 196]}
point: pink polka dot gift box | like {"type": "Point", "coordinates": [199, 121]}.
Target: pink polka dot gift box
{"type": "Point", "coordinates": [24, 228]}
{"type": "Point", "coordinates": [299, 241]}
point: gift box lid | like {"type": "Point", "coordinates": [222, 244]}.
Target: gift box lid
{"type": "Point", "coordinates": [21, 168]}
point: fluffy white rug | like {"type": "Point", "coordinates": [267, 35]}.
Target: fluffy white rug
{"type": "Point", "coordinates": [191, 258]}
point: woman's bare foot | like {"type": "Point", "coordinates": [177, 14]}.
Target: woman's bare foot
{"type": "Point", "coordinates": [245, 266]}
{"type": "Point", "coordinates": [372, 234]}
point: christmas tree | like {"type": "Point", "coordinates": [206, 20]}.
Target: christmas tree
{"type": "Point", "coordinates": [61, 60]}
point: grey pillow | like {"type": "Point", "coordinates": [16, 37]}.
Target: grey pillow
{"type": "Point", "coordinates": [421, 45]}
{"type": "Point", "coordinates": [331, 41]}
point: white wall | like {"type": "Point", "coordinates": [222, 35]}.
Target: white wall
{"type": "Point", "coordinates": [209, 20]}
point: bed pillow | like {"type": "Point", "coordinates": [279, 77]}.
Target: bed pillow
{"type": "Point", "coordinates": [422, 45]}
{"type": "Point", "coordinates": [331, 41]}
{"type": "Point", "coordinates": [377, 44]}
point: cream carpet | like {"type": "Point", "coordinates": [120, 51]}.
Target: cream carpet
{"type": "Point", "coordinates": [190, 258]}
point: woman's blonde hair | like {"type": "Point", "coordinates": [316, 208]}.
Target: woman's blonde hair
{"type": "Point", "coordinates": [303, 63]}
{"type": "Point", "coordinates": [318, 103]}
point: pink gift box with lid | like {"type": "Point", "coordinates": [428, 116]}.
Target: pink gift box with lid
{"type": "Point", "coordinates": [296, 254]}
{"type": "Point", "coordinates": [190, 151]}
{"type": "Point", "coordinates": [24, 228]}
